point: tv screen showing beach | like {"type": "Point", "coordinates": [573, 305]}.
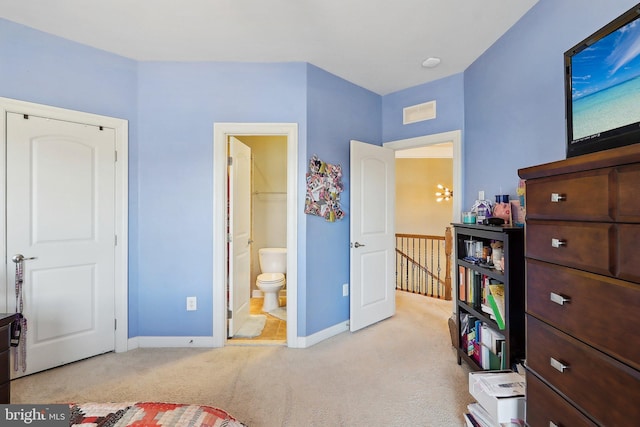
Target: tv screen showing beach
{"type": "Point", "coordinates": [605, 84]}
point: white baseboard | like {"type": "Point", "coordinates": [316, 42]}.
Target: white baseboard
{"type": "Point", "coordinates": [308, 341]}
{"type": "Point", "coordinates": [208, 342]}
{"type": "Point", "coordinates": [161, 342]}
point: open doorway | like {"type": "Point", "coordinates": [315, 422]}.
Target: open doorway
{"type": "Point", "coordinates": [451, 144]}
{"type": "Point", "coordinates": [222, 134]}
{"type": "Point", "coordinates": [257, 247]}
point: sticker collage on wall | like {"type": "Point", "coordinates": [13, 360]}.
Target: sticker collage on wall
{"type": "Point", "coordinates": [324, 185]}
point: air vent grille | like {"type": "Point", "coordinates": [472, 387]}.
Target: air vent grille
{"type": "Point", "coordinates": [419, 113]}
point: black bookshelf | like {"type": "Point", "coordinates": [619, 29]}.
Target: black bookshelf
{"type": "Point", "coordinates": [474, 313]}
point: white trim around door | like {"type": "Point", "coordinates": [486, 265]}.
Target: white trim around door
{"type": "Point", "coordinates": [121, 127]}
{"type": "Point", "coordinates": [221, 132]}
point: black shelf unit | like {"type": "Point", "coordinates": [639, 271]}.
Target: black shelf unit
{"type": "Point", "coordinates": [512, 277]}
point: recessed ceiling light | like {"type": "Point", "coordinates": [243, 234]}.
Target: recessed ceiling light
{"type": "Point", "coordinates": [431, 62]}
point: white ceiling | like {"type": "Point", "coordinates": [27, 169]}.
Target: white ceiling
{"type": "Point", "coordinates": [377, 44]}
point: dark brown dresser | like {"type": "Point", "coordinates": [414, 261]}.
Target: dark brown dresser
{"type": "Point", "coordinates": [5, 357]}
{"type": "Point", "coordinates": [582, 249]}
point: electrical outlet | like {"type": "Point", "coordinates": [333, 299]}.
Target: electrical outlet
{"type": "Point", "coordinates": [192, 303]}
{"type": "Point", "coordinates": [345, 290]}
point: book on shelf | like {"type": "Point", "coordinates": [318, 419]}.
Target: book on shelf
{"type": "Point", "coordinates": [492, 354]}
{"type": "Point", "coordinates": [482, 343]}
{"type": "Point", "coordinates": [462, 283]}
{"type": "Point", "coordinates": [476, 289]}
{"type": "Point", "coordinates": [496, 301]}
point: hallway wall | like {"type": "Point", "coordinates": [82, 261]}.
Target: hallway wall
{"type": "Point", "coordinates": [417, 211]}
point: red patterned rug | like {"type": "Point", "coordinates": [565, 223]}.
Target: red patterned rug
{"type": "Point", "coordinates": [149, 414]}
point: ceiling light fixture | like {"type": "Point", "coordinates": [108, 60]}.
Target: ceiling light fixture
{"type": "Point", "coordinates": [431, 62]}
{"type": "Point", "coordinates": [445, 194]}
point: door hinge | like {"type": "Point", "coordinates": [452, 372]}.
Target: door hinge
{"type": "Point", "coordinates": [101, 127]}
{"type": "Point", "coordinates": [115, 156]}
{"type": "Point", "coordinates": [229, 161]}
{"type": "Point", "coordinates": [115, 324]}
{"type": "Point", "coordinates": [116, 240]}
{"type": "Point", "coordinates": [25, 116]}
{"type": "Point", "coordinates": [228, 238]}
{"type": "Point", "coordinates": [229, 314]}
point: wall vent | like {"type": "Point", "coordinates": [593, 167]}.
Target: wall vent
{"type": "Point", "coordinates": [419, 113]}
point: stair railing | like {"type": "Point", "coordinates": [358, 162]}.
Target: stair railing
{"type": "Point", "coordinates": [423, 264]}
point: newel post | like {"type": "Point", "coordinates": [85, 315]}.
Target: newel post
{"type": "Point", "coordinates": [448, 246]}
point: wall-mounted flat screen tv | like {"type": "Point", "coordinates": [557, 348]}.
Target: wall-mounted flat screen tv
{"type": "Point", "coordinates": [602, 87]}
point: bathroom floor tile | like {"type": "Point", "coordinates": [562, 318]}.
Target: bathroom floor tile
{"type": "Point", "coordinates": [274, 330]}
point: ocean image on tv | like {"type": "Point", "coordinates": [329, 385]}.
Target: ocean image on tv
{"type": "Point", "coordinates": [605, 83]}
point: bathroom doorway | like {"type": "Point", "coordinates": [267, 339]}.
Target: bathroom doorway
{"type": "Point", "coordinates": [273, 224]}
{"type": "Point", "coordinates": [267, 219]}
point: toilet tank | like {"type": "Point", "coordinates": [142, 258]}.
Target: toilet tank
{"type": "Point", "coordinates": [273, 260]}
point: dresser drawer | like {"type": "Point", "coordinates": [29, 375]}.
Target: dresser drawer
{"type": "Point", "coordinates": [628, 248]}
{"type": "Point", "coordinates": [584, 245]}
{"type": "Point", "coordinates": [595, 306]}
{"type": "Point", "coordinates": [587, 375]}
{"type": "Point", "coordinates": [545, 407]}
{"type": "Point", "coordinates": [627, 194]}
{"type": "Point", "coordinates": [582, 196]}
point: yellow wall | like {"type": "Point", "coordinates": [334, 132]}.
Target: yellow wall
{"type": "Point", "coordinates": [269, 155]}
{"type": "Point", "coordinates": [269, 195]}
{"type": "Point", "coordinates": [417, 211]}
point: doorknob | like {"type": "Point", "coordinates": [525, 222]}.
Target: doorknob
{"type": "Point", "coordinates": [17, 258]}
{"type": "Point", "coordinates": [357, 244]}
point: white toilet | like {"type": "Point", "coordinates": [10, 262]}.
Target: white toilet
{"type": "Point", "coordinates": [273, 265]}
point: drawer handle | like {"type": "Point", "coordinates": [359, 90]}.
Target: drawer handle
{"type": "Point", "coordinates": [556, 243]}
{"type": "Point", "coordinates": [558, 366]}
{"type": "Point", "coordinates": [555, 197]}
{"type": "Point", "coordinates": [559, 299]}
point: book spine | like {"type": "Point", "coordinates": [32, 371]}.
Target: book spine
{"type": "Point", "coordinates": [496, 312]}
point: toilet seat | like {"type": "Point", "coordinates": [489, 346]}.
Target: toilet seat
{"type": "Point", "coordinates": [269, 278]}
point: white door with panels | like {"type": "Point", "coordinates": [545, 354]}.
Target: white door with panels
{"type": "Point", "coordinates": [60, 205]}
{"type": "Point", "coordinates": [372, 229]}
{"type": "Point", "coordinates": [239, 234]}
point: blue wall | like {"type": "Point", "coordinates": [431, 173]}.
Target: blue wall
{"type": "Point", "coordinates": [37, 67]}
{"type": "Point", "coordinates": [514, 93]}
{"type": "Point", "coordinates": [449, 96]}
{"type": "Point", "coordinates": [337, 112]}
{"type": "Point", "coordinates": [178, 104]}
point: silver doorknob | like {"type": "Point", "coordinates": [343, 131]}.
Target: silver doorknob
{"type": "Point", "coordinates": [357, 244]}
{"type": "Point", "coordinates": [17, 258]}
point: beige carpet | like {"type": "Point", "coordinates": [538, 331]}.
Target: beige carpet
{"type": "Point", "coordinates": [399, 372]}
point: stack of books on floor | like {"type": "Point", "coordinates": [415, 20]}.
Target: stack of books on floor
{"type": "Point", "coordinates": [500, 399]}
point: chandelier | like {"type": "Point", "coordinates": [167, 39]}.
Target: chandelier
{"type": "Point", "coordinates": [444, 193]}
